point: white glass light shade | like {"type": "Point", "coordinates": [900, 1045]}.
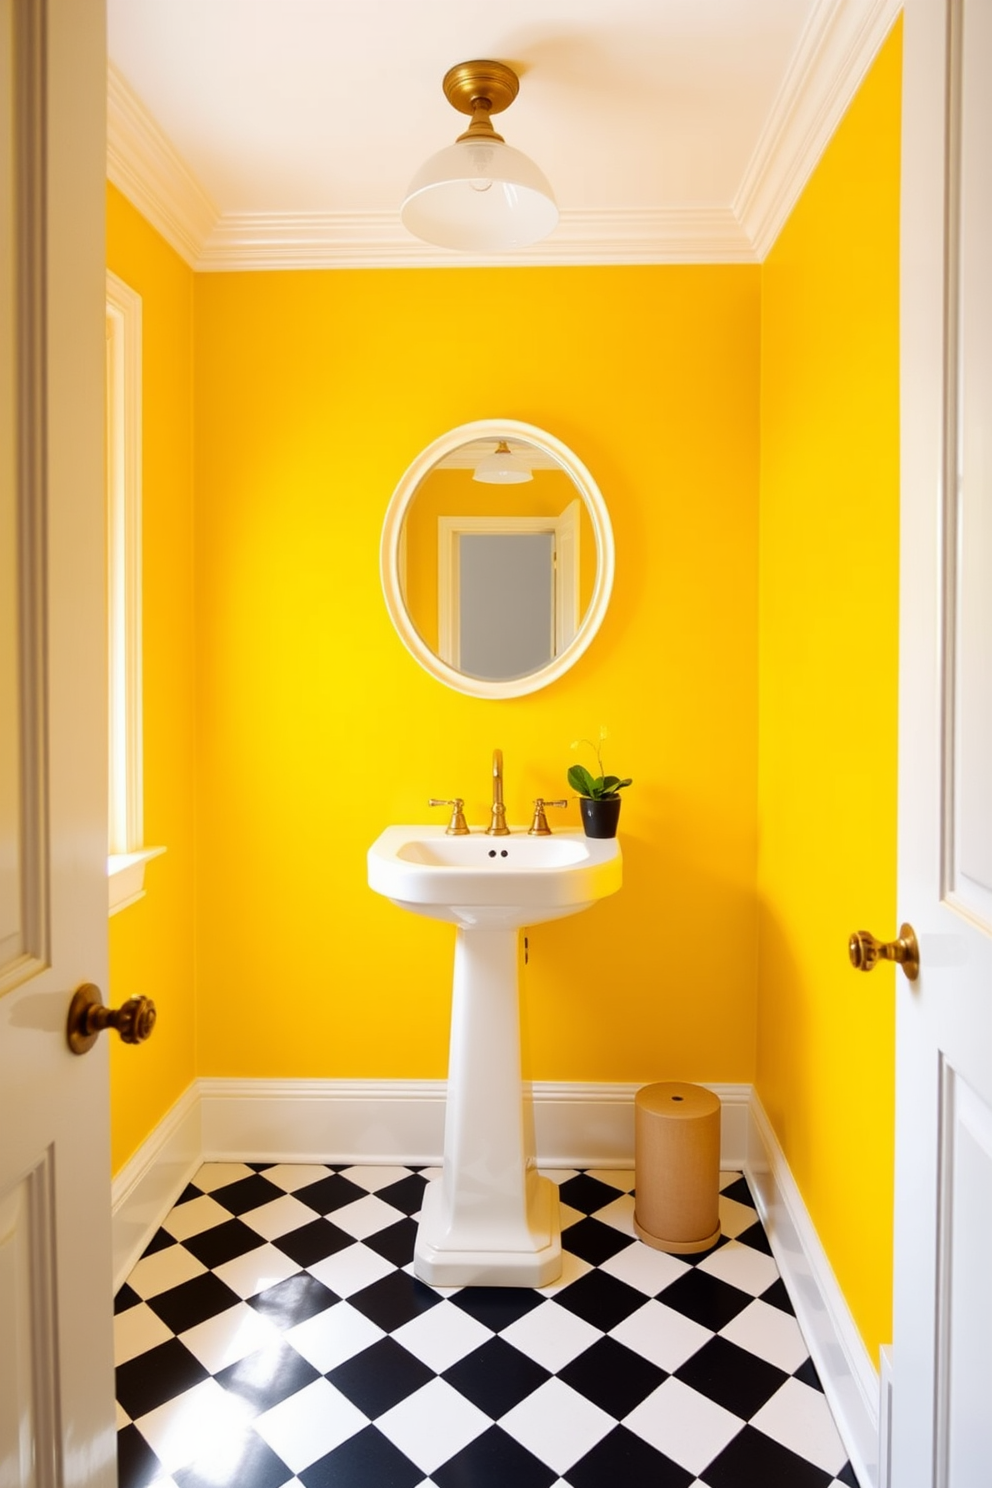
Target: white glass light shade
{"type": "Point", "coordinates": [480, 196]}
{"type": "Point", "coordinates": [502, 468]}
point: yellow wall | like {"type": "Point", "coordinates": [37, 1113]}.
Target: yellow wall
{"type": "Point", "coordinates": [151, 942]}
{"type": "Point", "coordinates": [314, 391]}
{"type": "Point", "coordinates": [828, 657]}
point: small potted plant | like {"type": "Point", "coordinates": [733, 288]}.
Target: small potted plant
{"type": "Point", "coordinates": [599, 796]}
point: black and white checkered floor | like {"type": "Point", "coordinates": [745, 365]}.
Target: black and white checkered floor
{"type": "Point", "coordinates": [273, 1333]}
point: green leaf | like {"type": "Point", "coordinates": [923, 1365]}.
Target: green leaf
{"type": "Point", "coordinates": [580, 780]}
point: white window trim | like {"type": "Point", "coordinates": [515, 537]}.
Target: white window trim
{"type": "Point", "coordinates": [127, 854]}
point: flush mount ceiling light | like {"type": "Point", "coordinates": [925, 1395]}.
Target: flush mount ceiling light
{"type": "Point", "coordinates": [502, 468]}
{"type": "Point", "coordinates": [480, 194]}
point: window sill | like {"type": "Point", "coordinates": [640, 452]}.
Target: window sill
{"type": "Point", "coordinates": [126, 876]}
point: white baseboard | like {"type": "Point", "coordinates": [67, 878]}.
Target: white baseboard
{"type": "Point", "coordinates": [846, 1372]}
{"type": "Point", "coordinates": [150, 1182]}
{"type": "Point", "coordinates": [575, 1125]}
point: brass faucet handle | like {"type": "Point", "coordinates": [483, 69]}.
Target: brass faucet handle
{"type": "Point", "coordinates": [539, 826]}
{"type": "Point", "coordinates": [457, 826]}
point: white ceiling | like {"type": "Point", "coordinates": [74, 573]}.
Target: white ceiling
{"type": "Point", "coordinates": [282, 133]}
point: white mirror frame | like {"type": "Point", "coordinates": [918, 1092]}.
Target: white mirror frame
{"type": "Point", "coordinates": [391, 557]}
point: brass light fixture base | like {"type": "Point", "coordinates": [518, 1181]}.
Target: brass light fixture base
{"type": "Point", "coordinates": [492, 84]}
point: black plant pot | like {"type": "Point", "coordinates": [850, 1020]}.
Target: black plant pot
{"type": "Point", "coordinates": [599, 818]}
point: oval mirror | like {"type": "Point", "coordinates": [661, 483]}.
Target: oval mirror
{"type": "Point", "coordinates": [497, 559]}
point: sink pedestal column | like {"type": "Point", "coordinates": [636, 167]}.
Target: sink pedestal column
{"type": "Point", "coordinates": [491, 1219]}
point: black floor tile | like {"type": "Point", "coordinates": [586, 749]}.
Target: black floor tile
{"type": "Point", "coordinates": [623, 1460]}
{"type": "Point", "coordinates": [395, 1300]}
{"type": "Point", "coordinates": [754, 1236]}
{"type": "Point", "coordinates": [494, 1460]}
{"type": "Point", "coordinates": [247, 1194]}
{"type": "Point", "coordinates": [612, 1377]}
{"type": "Point", "coordinates": [739, 1191]}
{"type": "Point", "coordinates": [777, 1296]}
{"type": "Point", "coordinates": [600, 1299]}
{"type": "Point", "coordinates": [156, 1376]}
{"type": "Point", "coordinates": [754, 1458]}
{"type": "Point", "coordinates": [395, 1243]}
{"type": "Point", "coordinates": [380, 1377]}
{"type": "Point", "coordinates": [496, 1377]}
{"type": "Point", "coordinates": [847, 1476]}
{"type": "Point", "coordinates": [126, 1298]}
{"type": "Point", "coordinates": [192, 1302]}
{"type": "Point", "coordinates": [313, 1242]}
{"type": "Point", "coordinates": [268, 1376]}
{"type": "Point", "coordinates": [161, 1240]}
{"type": "Point", "coordinates": [366, 1460]}
{"type": "Point", "coordinates": [705, 1299]}
{"type": "Point", "coordinates": [294, 1300]}
{"type": "Point", "coordinates": [594, 1241]}
{"type": "Point", "coordinates": [587, 1194]}
{"type": "Point", "coordinates": [808, 1375]}
{"type": "Point", "coordinates": [247, 1463]}
{"type": "Point", "coordinates": [137, 1465]}
{"type": "Point", "coordinates": [189, 1192]}
{"type": "Point", "coordinates": [497, 1307]}
{"type": "Point", "coordinates": [223, 1242]}
{"type": "Point", "coordinates": [406, 1195]}
{"type": "Point", "coordinates": [734, 1378]}
{"type": "Point", "coordinates": [330, 1193]}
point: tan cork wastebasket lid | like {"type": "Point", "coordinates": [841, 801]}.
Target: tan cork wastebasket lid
{"type": "Point", "coordinates": [677, 1161]}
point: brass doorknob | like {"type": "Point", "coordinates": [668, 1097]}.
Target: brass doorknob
{"type": "Point", "coordinates": [865, 951]}
{"type": "Point", "coordinates": [133, 1020]}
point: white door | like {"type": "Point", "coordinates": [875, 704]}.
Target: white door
{"type": "Point", "coordinates": [942, 1362]}
{"type": "Point", "coordinates": [56, 1380]}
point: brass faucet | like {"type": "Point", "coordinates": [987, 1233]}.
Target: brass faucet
{"type": "Point", "coordinates": [497, 826]}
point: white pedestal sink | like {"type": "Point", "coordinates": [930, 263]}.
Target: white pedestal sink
{"type": "Point", "coordinates": [491, 1219]}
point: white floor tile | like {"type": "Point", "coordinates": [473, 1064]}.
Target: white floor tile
{"type": "Point", "coordinates": [166, 1268]}
{"type": "Point", "coordinates": [374, 1178]}
{"type": "Point", "coordinates": [552, 1335]}
{"type": "Point", "coordinates": [442, 1335]}
{"type": "Point", "coordinates": [798, 1417]}
{"type": "Point", "coordinates": [365, 1217]}
{"type": "Point", "coordinates": [194, 1217]}
{"type": "Point", "coordinates": [684, 1425]}
{"type": "Point", "coordinates": [645, 1268]}
{"type": "Point", "coordinates": [661, 1335]}
{"type": "Point", "coordinates": [291, 1176]}
{"type": "Point", "coordinates": [136, 1331]}
{"type": "Point", "coordinates": [230, 1336]}
{"type": "Point", "coordinates": [350, 1270]}
{"type": "Point", "coordinates": [183, 1428]}
{"type": "Point", "coordinates": [770, 1333]}
{"type": "Point", "coordinates": [216, 1175]}
{"type": "Point", "coordinates": [433, 1424]}
{"type": "Point", "coordinates": [735, 1218]}
{"type": "Point", "coordinates": [557, 1424]}
{"type": "Point", "coordinates": [619, 1214]}
{"type": "Point", "coordinates": [331, 1337]}
{"type": "Point", "coordinates": [742, 1266]}
{"type": "Point", "coordinates": [256, 1271]}
{"type": "Point", "coordinates": [727, 1177]}
{"type": "Point", "coordinates": [278, 1217]}
{"type": "Point", "coordinates": [309, 1424]}
{"type": "Point", "coordinates": [568, 1215]}
{"type": "Point", "coordinates": [559, 1175]}
{"type": "Point", "coordinates": [123, 1419]}
{"type": "Point", "coordinates": [572, 1267]}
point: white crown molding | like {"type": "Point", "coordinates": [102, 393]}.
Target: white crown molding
{"type": "Point", "coordinates": [144, 165]}
{"type": "Point", "coordinates": [837, 48]}
{"type": "Point", "coordinates": [378, 240]}
{"type": "Point", "coordinates": [841, 41]}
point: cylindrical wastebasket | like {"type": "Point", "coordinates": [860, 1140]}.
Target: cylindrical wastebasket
{"type": "Point", "coordinates": [677, 1167]}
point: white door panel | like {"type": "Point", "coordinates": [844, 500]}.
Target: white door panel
{"type": "Point", "coordinates": [942, 1426]}
{"type": "Point", "coordinates": [56, 1376]}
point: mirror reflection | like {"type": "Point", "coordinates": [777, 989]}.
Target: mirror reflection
{"type": "Point", "coordinates": [499, 559]}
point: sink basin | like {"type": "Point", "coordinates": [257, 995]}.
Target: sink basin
{"type": "Point", "coordinates": [493, 882]}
